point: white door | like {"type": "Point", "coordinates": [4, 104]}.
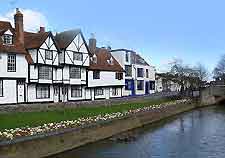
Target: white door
{"type": "Point", "coordinates": [21, 91]}
{"type": "Point", "coordinates": [56, 94]}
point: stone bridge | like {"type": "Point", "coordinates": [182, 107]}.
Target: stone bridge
{"type": "Point", "coordinates": [213, 94]}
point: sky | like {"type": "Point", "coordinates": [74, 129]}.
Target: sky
{"type": "Point", "coordinates": [160, 30]}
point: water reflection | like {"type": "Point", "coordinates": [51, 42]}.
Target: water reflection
{"type": "Point", "coordinates": [197, 134]}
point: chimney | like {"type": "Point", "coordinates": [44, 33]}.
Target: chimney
{"type": "Point", "coordinates": [18, 19]}
{"type": "Point", "coordinates": [92, 43]}
{"type": "Point", "coordinates": [42, 29]}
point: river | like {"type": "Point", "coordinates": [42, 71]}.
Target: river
{"type": "Point", "coordinates": [196, 134]}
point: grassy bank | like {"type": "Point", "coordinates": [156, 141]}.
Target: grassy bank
{"type": "Point", "coordinates": [32, 119]}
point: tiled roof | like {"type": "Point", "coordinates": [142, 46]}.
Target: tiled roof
{"type": "Point", "coordinates": [34, 40]}
{"type": "Point", "coordinates": [103, 56]}
{"type": "Point", "coordinates": [63, 39]}
{"type": "Point", "coordinates": [135, 58]}
{"type": "Point", "coordinates": [16, 47]}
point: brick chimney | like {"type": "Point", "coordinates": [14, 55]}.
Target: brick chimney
{"type": "Point", "coordinates": [92, 43]}
{"type": "Point", "coordinates": [18, 19]}
{"type": "Point", "coordinates": [42, 29]}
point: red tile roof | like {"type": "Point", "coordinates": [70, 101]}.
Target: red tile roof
{"type": "Point", "coordinates": [103, 55]}
{"type": "Point", "coordinates": [34, 40]}
{"type": "Point", "coordinates": [16, 47]}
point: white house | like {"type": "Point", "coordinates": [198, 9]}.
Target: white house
{"type": "Point", "coordinates": [44, 72]}
{"type": "Point", "coordinates": [13, 62]}
{"type": "Point", "coordinates": [74, 60]}
{"type": "Point", "coordinates": [164, 84]}
{"type": "Point", "coordinates": [105, 75]}
{"type": "Point", "coordinates": [139, 77]}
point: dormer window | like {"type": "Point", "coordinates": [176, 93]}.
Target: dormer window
{"type": "Point", "coordinates": [110, 61]}
{"type": "Point", "coordinates": [94, 59]}
{"type": "Point", "coordinates": [7, 39]}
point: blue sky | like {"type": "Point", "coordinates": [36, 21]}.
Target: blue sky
{"type": "Point", "coordinates": [193, 30]}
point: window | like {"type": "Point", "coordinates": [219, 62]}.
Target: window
{"type": "Point", "coordinates": [77, 56]}
{"type": "Point", "coordinates": [115, 91]}
{"type": "Point", "coordinates": [152, 85]}
{"type": "Point", "coordinates": [119, 75]}
{"type": "Point", "coordinates": [7, 39]}
{"type": "Point", "coordinates": [128, 70]}
{"type": "Point", "coordinates": [99, 91]}
{"type": "Point", "coordinates": [45, 72]}
{"type": "Point", "coordinates": [75, 72]}
{"type": "Point", "coordinates": [96, 74]}
{"type": "Point", "coordinates": [1, 88]}
{"type": "Point", "coordinates": [147, 73]}
{"type": "Point", "coordinates": [43, 91]}
{"type": "Point", "coordinates": [140, 72]}
{"type": "Point", "coordinates": [48, 54]}
{"type": "Point", "coordinates": [140, 85]}
{"type": "Point", "coordinates": [128, 85]}
{"type": "Point", "coordinates": [11, 63]}
{"type": "Point", "coordinates": [127, 57]}
{"type": "Point", "coordinates": [76, 91]}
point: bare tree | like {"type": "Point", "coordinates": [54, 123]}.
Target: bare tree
{"type": "Point", "coordinates": [219, 70]}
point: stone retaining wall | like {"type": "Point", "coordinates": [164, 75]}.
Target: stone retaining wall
{"type": "Point", "coordinates": [42, 146]}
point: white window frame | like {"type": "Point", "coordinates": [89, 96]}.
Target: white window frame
{"type": "Point", "coordinates": [11, 63]}
{"type": "Point", "coordinates": [77, 56]}
{"type": "Point", "coordinates": [45, 72]}
{"type": "Point", "coordinates": [7, 39]}
{"type": "Point", "coordinates": [75, 72]}
{"type": "Point", "coordinates": [115, 91]}
{"type": "Point", "coordinates": [99, 91]}
{"type": "Point", "coordinates": [48, 54]}
{"type": "Point", "coordinates": [96, 75]}
{"type": "Point", "coordinates": [76, 91]}
{"type": "Point", "coordinates": [43, 91]}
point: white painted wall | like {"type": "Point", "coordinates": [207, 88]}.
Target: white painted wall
{"type": "Point", "coordinates": [107, 78]}
{"type": "Point", "coordinates": [21, 66]}
{"type": "Point", "coordinates": [9, 92]}
{"type": "Point", "coordinates": [31, 94]}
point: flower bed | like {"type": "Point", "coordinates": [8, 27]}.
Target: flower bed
{"type": "Point", "coordinates": [9, 134]}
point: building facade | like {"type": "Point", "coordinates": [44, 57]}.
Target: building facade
{"type": "Point", "coordinates": [139, 76]}
{"type": "Point", "coordinates": [13, 62]}
{"type": "Point", "coordinates": [105, 75]}
{"type": "Point", "coordinates": [40, 67]}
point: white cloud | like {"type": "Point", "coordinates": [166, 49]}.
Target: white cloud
{"type": "Point", "coordinates": [32, 19]}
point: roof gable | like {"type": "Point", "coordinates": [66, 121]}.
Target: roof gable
{"type": "Point", "coordinates": [65, 38]}
{"type": "Point", "coordinates": [103, 64]}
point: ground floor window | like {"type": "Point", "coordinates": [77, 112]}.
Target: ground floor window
{"type": "Point", "coordinates": [128, 85]}
{"type": "Point", "coordinates": [152, 85]}
{"type": "Point", "coordinates": [43, 91]}
{"type": "Point", "coordinates": [115, 91]}
{"type": "Point", "coordinates": [140, 85]}
{"type": "Point", "coordinates": [1, 88]}
{"type": "Point", "coordinates": [99, 91]}
{"type": "Point", "coordinates": [76, 91]}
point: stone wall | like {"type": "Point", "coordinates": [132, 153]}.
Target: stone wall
{"type": "Point", "coordinates": [45, 145]}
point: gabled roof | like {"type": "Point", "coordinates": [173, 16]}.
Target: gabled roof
{"type": "Point", "coordinates": [65, 38]}
{"type": "Point", "coordinates": [135, 57]}
{"type": "Point", "coordinates": [4, 26]}
{"type": "Point", "coordinates": [16, 47]}
{"type": "Point", "coordinates": [34, 40]}
{"type": "Point", "coordinates": [103, 56]}
{"type": "Point", "coordinates": [138, 59]}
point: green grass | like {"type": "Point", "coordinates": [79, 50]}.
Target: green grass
{"type": "Point", "coordinates": [31, 119]}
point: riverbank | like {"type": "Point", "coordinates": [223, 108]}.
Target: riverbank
{"type": "Point", "coordinates": [97, 128]}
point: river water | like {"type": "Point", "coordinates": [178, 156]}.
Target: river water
{"type": "Point", "coordinates": [196, 134]}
